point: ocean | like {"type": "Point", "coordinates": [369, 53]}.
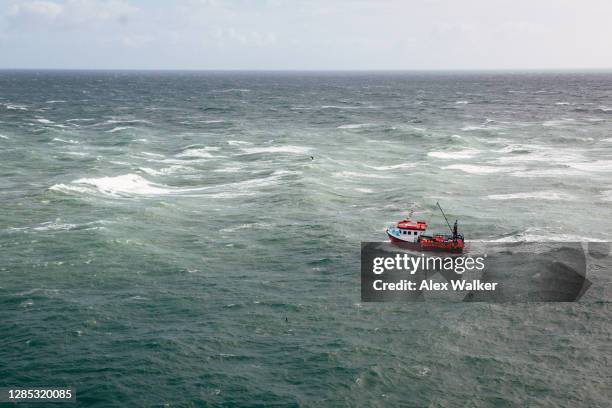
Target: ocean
{"type": "Point", "coordinates": [193, 238]}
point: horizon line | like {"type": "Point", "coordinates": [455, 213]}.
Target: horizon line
{"type": "Point", "coordinates": [330, 70]}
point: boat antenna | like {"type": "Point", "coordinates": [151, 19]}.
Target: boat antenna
{"type": "Point", "coordinates": [444, 215]}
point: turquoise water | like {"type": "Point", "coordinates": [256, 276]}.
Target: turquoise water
{"type": "Point", "coordinates": [193, 239]}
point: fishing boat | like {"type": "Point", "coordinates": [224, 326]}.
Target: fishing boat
{"type": "Point", "coordinates": [412, 235]}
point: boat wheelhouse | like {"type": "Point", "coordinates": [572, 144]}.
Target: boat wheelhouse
{"type": "Point", "coordinates": [407, 231]}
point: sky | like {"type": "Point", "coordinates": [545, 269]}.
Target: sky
{"type": "Point", "coordinates": [306, 35]}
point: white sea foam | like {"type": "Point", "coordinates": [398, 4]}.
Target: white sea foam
{"type": "Point", "coordinates": [241, 227]}
{"type": "Point", "coordinates": [541, 154]}
{"type": "Point", "coordinates": [140, 298]}
{"type": "Point", "coordinates": [44, 121]}
{"type": "Point", "coordinates": [43, 291]}
{"type": "Point", "coordinates": [54, 226]}
{"type": "Point", "coordinates": [45, 226]}
{"type": "Point", "coordinates": [562, 103]}
{"type": "Point", "coordinates": [213, 121]}
{"type": "Point", "coordinates": [80, 120]}
{"type": "Point", "coordinates": [70, 141]}
{"type": "Point", "coordinates": [479, 169]}
{"type": "Point", "coordinates": [527, 237]}
{"type": "Point", "coordinates": [606, 195]}
{"type": "Point", "coordinates": [277, 149]}
{"type": "Point", "coordinates": [166, 170]}
{"type": "Point", "coordinates": [57, 225]}
{"type": "Point", "coordinates": [182, 161]}
{"type": "Point", "coordinates": [13, 106]}
{"type": "Point", "coordinates": [120, 128]}
{"type": "Point", "coordinates": [56, 101]}
{"type": "Point", "coordinates": [4, 137]}
{"type": "Point", "coordinates": [356, 126]}
{"type": "Point", "coordinates": [595, 120]}
{"type": "Point", "coordinates": [231, 90]}
{"type": "Point", "coordinates": [598, 166]}
{"type": "Point", "coordinates": [354, 174]}
{"type": "Point", "coordinates": [202, 152]}
{"type": "Point", "coordinates": [245, 187]}
{"type": "Point", "coordinates": [150, 171]}
{"type": "Point", "coordinates": [582, 139]}
{"type": "Point", "coordinates": [552, 173]}
{"type": "Point", "coordinates": [67, 188]}
{"type": "Point", "coordinates": [365, 190]}
{"type": "Point", "coordinates": [231, 194]}
{"type": "Point", "coordinates": [452, 155]}
{"type": "Point", "coordinates": [339, 107]}
{"type": "Point", "coordinates": [394, 167]}
{"type": "Point", "coordinates": [153, 154]}
{"type": "Point", "coordinates": [118, 121]}
{"type": "Point", "coordinates": [559, 123]}
{"type": "Point", "coordinates": [462, 102]}
{"type": "Point", "coordinates": [127, 184]}
{"type": "Point", "coordinates": [496, 141]}
{"type": "Point", "coordinates": [487, 125]}
{"type": "Point", "coordinates": [472, 127]}
{"type": "Point", "coordinates": [518, 148]}
{"type": "Point", "coordinates": [237, 142]}
{"type": "Point", "coordinates": [228, 170]}
{"type": "Point", "coordinates": [536, 195]}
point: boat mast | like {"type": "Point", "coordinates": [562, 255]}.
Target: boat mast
{"type": "Point", "coordinates": [444, 215]}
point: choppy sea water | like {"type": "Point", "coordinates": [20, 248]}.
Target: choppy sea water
{"type": "Point", "coordinates": [193, 238]}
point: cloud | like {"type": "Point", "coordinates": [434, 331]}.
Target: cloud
{"type": "Point", "coordinates": [36, 9]}
{"type": "Point", "coordinates": [136, 41]}
{"type": "Point", "coordinates": [314, 34]}
{"type": "Point", "coordinates": [70, 13]}
{"type": "Point", "coordinates": [250, 38]}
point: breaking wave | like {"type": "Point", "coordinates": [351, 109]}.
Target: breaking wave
{"type": "Point", "coordinates": [128, 185]}
{"type": "Point", "coordinates": [353, 174]}
{"type": "Point", "coordinates": [120, 128]}
{"type": "Point", "coordinates": [544, 237]}
{"type": "Point", "coordinates": [57, 225]}
{"type": "Point", "coordinates": [594, 166]}
{"type": "Point", "coordinates": [538, 195]}
{"type": "Point", "coordinates": [14, 106]}
{"type": "Point", "coordinates": [479, 169]}
{"type": "Point", "coordinates": [339, 107]}
{"type": "Point", "coordinates": [70, 141]}
{"type": "Point", "coordinates": [394, 167]}
{"type": "Point", "coordinates": [277, 149]}
{"type": "Point", "coordinates": [237, 142]}
{"type": "Point", "coordinates": [453, 155]}
{"type": "Point", "coordinates": [124, 185]}
{"type": "Point", "coordinates": [166, 170]}
{"type": "Point", "coordinates": [201, 152]}
{"type": "Point", "coordinates": [356, 126]}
